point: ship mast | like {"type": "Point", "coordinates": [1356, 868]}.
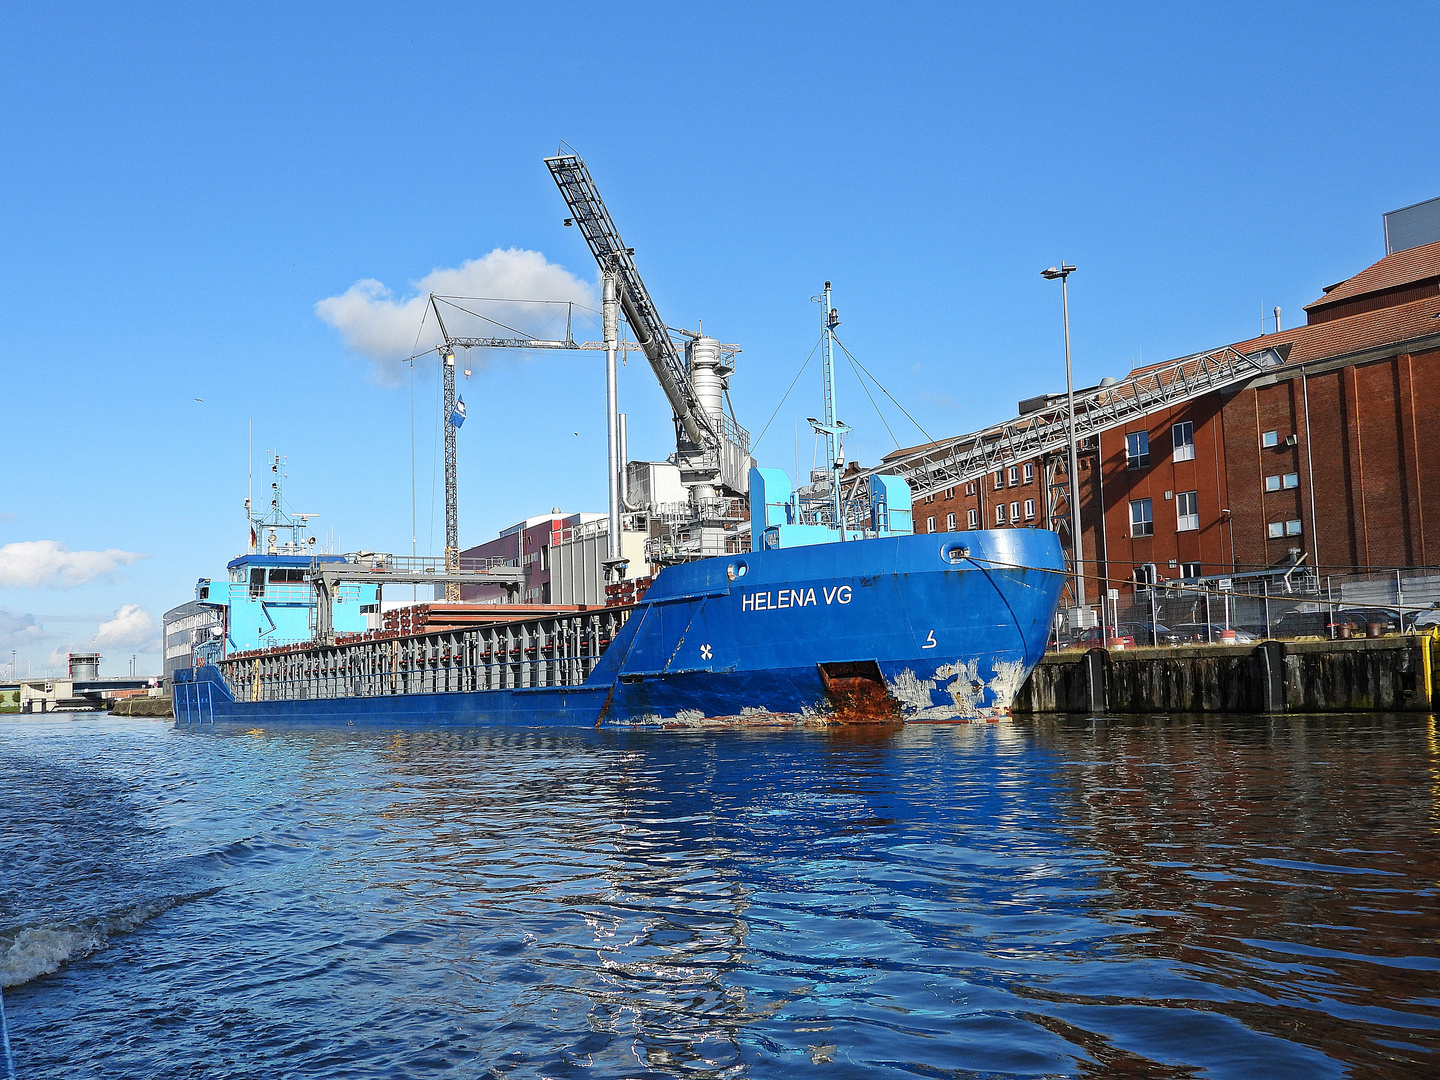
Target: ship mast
{"type": "Point", "coordinates": [829, 426]}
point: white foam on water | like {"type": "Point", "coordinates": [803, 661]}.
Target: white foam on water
{"type": "Point", "coordinates": [29, 952]}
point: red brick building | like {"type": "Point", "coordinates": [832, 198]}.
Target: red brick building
{"type": "Point", "coordinates": [1331, 458]}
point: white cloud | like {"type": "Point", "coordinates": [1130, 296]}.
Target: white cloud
{"type": "Point", "coordinates": [132, 628]}
{"type": "Point", "coordinates": [35, 563]}
{"type": "Point", "coordinates": [373, 321]}
{"type": "Point", "coordinates": [17, 631]}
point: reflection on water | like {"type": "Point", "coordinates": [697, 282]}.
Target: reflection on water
{"type": "Point", "coordinates": [1205, 896]}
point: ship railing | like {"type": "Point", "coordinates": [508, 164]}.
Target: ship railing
{"type": "Point", "coordinates": [702, 544]}
{"type": "Point", "coordinates": [556, 651]}
{"type": "Point", "coordinates": [421, 564]}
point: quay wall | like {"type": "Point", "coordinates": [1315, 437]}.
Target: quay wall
{"type": "Point", "coordinates": [153, 707]}
{"type": "Point", "coordinates": [1394, 674]}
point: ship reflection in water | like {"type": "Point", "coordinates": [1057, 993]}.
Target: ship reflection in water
{"type": "Point", "coordinates": [1209, 896]}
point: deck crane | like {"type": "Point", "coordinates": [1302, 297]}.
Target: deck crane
{"type": "Point", "coordinates": [711, 449]}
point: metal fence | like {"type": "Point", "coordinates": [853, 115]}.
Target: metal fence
{"type": "Point", "coordinates": [1249, 608]}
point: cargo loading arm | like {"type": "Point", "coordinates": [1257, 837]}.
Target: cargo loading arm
{"type": "Point", "coordinates": [588, 212]}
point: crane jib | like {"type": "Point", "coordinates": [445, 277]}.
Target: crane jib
{"type": "Point", "coordinates": [589, 213]}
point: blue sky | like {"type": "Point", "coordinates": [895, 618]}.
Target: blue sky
{"type": "Point", "coordinates": [181, 185]}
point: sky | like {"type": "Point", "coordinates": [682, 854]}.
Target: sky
{"type": "Point", "coordinates": [220, 224]}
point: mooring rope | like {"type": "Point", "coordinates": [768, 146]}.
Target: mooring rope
{"type": "Point", "coordinates": [5, 1041]}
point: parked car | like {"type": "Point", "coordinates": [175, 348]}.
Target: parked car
{"type": "Point", "coordinates": [1095, 638]}
{"type": "Point", "coordinates": [1131, 634]}
{"type": "Point", "coordinates": [1158, 634]}
{"type": "Point", "coordinates": [1327, 624]}
{"type": "Point", "coordinates": [1426, 620]}
{"type": "Point", "coordinates": [1210, 632]}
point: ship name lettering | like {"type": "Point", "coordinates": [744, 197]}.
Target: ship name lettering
{"type": "Point", "coordinates": [776, 599]}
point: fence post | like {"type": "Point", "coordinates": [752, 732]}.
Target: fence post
{"type": "Point", "coordinates": [1265, 585]}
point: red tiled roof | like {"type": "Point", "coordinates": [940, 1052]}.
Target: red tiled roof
{"type": "Point", "coordinates": [1402, 268]}
{"type": "Point", "coordinates": [1317, 341]}
{"type": "Point", "coordinates": [1367, 330]}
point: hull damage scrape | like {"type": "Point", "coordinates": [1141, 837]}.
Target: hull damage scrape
{"type": "Point", "coordinates": [858, 695]}
{"type": "Point", "coordinates": [970, 697]}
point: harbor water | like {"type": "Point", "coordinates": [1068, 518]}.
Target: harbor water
{"type": "Point", "coordinates": [1207, 896]}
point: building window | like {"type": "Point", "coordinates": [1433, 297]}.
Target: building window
{"type": "Point", "coordinates": [1290, 480]}
{"type": "Point", "coordinates": [1012, 475]}
{"type": "Point", "coordinates": [930, 498]}
{"type": "Point", "coordinates": [972, 518]}
{"type": "Point", "coordinates": [1014, 512]}
{"type": "Point", "coordinates": [999, 513]}
{"type": "Point", "coordinates": [1292, 528]}
{"type": "Point", "coordinates": [1029, 473]}
{"type": "Point", "coordinates": [950, 522]}
{"type": "Point", "coordinates": [970, 488]}
{"type": "Point", "coordinates": [1270, 438]}
{"type": "Point", "coordinates": [1137, 450]}
{"type": "Point", "coordinates": [949, 493]}
{"type": "Point", "coordinates": [1182, 436]}
{"type": "Point", "coordinates": [1190, 569]}
{"type": "Point", "coordinates": [1141, 522]}
{"type": "Point", "coordinates": [1029, 509]}
{"type": "Point", "coordinates": [999, 480]}
{"type": "Point", "coordinates": [1272, 483]}
{"type": "Point", "coordinates": [1145, 576]}
{"type": "Point", "coordinates": [1274, 530]}
{"type": "Point", "coordinates": [930, 524]}
{"type": "Point", "coordinates": [1187, 511]}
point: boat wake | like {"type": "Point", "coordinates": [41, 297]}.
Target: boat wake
{"type": "Point", "coordinates": [28, 952]}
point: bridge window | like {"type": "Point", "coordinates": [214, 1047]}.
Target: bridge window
{"type": "Point", "coordinates": [257, 582]}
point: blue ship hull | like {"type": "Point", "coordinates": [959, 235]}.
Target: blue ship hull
{"type": "Point", "coordinates": [932, 627]}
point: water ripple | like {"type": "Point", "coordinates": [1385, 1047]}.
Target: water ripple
{"type": "Point", "coordinates": [1219, 897]}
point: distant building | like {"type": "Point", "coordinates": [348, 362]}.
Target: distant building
{"type": "Point", "coordinates": [563, 555]}
{"type": "Point", "coordinates": [1325, 459]}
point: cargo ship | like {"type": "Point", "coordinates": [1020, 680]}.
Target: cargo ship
{"type": "Point", "coordinates": [749, 600]}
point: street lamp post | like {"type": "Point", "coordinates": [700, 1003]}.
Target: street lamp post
{"type": "Point", "coordinates": [1063, 272]}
